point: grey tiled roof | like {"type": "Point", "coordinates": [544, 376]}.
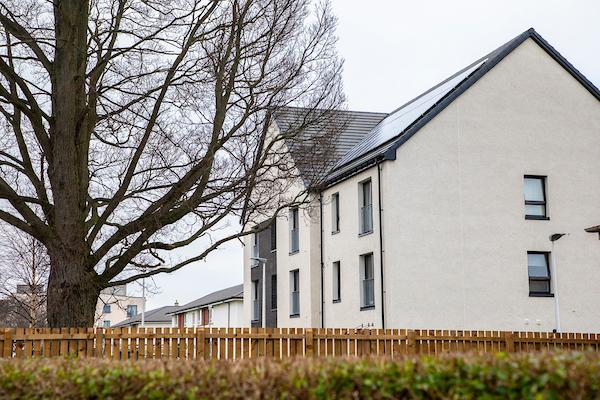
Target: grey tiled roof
{"type": "Point", "coordinates": [234, 292]}
{"type": "Point", "coordinates": [351, 127]}
{"type": "Point", "coordinates": [158, 315]}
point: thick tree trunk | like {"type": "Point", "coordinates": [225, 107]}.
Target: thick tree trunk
{"type": "Point", "coordinates": [73, 291]}
{"type": "Point", "coordinates": [73, 284]}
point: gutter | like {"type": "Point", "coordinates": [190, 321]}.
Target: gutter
{"type": "Point", "coordinates": [381, 245]}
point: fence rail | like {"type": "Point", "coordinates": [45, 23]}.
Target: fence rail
{"type": "Point", "coordinates": [238, 343]}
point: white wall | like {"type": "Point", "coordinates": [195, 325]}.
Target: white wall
{"type": "Point", "coordinates": [228, 314]}
{"type": "Point", "coordinates": [455, 234]}
{"type": "Point", "coordinates": [306, 260]}
{"type": "Point", "coordinates": [346, 246]}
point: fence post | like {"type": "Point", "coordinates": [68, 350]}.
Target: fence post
{"type": "Point", "coordinates": [410, 341]}
{"type": "Point", "coordinates": [8, 343]}
{"type": "Point", "coordinates": [510, 342]}
{"type": "Point", "coordinates": [308, 337]}
{"type": "Point", "coordinates": [201, 343]}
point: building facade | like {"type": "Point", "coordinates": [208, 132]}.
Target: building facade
{"type": "Point", "coordinates": [448, 213]}
{"type": "Point", "coordinates": [115, 306]}
{"type": "Point", "coordinates": [220, 309]}
{"type": "Point", "coordinates": [262, 290]}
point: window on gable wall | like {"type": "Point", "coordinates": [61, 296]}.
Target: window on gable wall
{"type": "Point", "coordinates": [538, 268]}
{"type": "Point", "coordinates": [535, 197]}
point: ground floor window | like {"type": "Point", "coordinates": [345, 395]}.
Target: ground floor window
{"type": "Point", "coordinates": [367, 287]}
{"type": "Point", "coordinates": [337, 282]}
{"type": "Point", "coordinates": [538, 268]}
{"type": "Point", "coordinates": [255, 302]}
{"type": "Point", "coordinates": [294, 293]}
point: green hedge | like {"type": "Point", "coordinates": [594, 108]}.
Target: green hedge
{"type": "Point", "coordinates": [533, 376]}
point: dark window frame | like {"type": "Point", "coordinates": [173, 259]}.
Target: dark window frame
{"type": "Point", "coordinates": [255, 298]}
{"type": "Point", "coordinates": [294, 229]}
{"type": "Point", "coordinates": [205, 316]}
{"type": "Point", "coordinates": [294, 288]}
{"type": "Point", "coordinates": [549, 293]}
{"type": "Point", "coordinates": [255, 251]}
{"type": "Point", "coordinates": [106, 309]}
{"type": "Point", "coordinates": [365, 208]}
{"type": "Point", "coordinates": [273, 233]}
{"type": "Point", "coordinates": [274, 292]}
{"type": "Point", "coordinates": [131, 306]}
{"type": "Point", "coordinates": [337, 297]}
{"type": "Point", "coordinates": [364, 278]}
{"type": "Point", "coordinates": [335, 213]}
{"type": "Point", "coordinates": [544, 203]}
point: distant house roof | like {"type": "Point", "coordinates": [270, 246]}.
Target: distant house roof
{"type": "Point", "coordinates": [231, 293]}
{"type": "Point", "coordinates": [158, 315]}
{"type": "Point", "coordinates": [380, 142]}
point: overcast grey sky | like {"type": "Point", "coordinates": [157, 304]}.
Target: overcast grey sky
{"type": "Point", "coordinates": [396, 49]}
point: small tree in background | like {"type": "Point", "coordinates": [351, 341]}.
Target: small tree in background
{"type": "Point", "coordinates": [24, 269]}
{"type": "Point", "coordinates": [132, 128]}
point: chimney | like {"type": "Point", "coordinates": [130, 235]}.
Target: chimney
{"type": "Point", "coordinates": [176, 303]}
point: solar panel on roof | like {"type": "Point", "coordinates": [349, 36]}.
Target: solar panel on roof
{"type": "Point", "coordinates": [405, 116]}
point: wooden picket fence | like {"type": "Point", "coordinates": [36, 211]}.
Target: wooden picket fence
{"type": "Point", "coordinates": [239, 343]}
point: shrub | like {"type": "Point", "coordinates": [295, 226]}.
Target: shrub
{"type": "Point", "coordinates": [527, 376]}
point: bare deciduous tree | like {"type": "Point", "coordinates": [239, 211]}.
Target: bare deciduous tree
{"type": "Point", "coordinates": [132, 128]}
{"type": "Point", "coordinates": [24, 269]}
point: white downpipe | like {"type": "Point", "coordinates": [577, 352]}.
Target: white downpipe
{"type": "Point", "coordinates": [264, 295]}
{"type": "Point", "coordinates": [555, 288]}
